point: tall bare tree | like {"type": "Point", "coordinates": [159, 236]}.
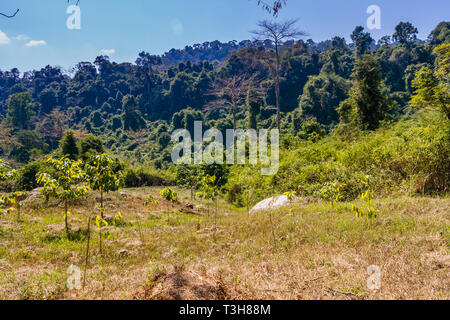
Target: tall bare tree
{"type": "Point", "coordinates": [230, 93]}
{"type": "Point", "coordinates": [278, 33]}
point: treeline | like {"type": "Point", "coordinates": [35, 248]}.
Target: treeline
{"type": "Point", "coordinates": [132, 107]}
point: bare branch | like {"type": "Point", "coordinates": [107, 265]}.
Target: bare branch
{"type": "Point", "coordinates": [11, 16]}
{"type": "Point", "coordinates": [272, 8]}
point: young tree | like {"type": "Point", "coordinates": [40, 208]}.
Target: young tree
{"type": "Point", "coordinates": [69, 146]}
{"type": "Point", "coordinates": [64, 182]}
{"type": "Point", "coordinates": [188, 176]}
{"type": "Point", "coordinates": [6, 173]}
{"type": "Point", "coordinates": [277, 33]}
{"type": "Point", "coordinates": [209, 189]}
{"type": "Point", "coordinates": [102, 175]}
{"type": "Point", "coordinates": [20, 110]}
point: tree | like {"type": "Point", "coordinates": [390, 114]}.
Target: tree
{"type": "Point", "coordinates": [20, 110]}
{"type": "Point", "coordinates": [230, 93]}
{"type": "Point", "coordinates": [188, 176]}
{"type": "Point", "coordinates": [321, 97]}
{"type": "Point", "coordinates": [132, 119]}
{"type": "Point", "coordinates": [91, 145]}
{"type": "Point", "coordinates": [102, 175]}
{"type": "Point", "coordinates": [209, 189]}
{"type": "Point", "coordinates": [432, 89]}
{"type": "Point", "coordinates": [6, 173]}
{"type": "Point", "coordinates": [253, 101]}
{"type": "Point", "coordinates": [146, 63]}
{"type": "Point", "coordinates": [362, 41]}
{"type": "Point", "coordinates": [277, 33]}
{"type": "Point", "coordinates": [63, 182]}
{"type": "Point", "coordinates": [405, 33]}
{"type": "Point", "coordinates": [440, 34]}
{"type": "Point", "coordinates": [69, 146]}
{"type": "Point", "coordinates": [366, 105]}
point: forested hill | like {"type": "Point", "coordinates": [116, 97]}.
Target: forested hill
{"type": "Point", "coordinates": [208, 51]}
{"type": "Point", "coordinates": [133, 107]}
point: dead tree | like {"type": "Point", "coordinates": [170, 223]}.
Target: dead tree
{"type": "Point", "coordinates": [278, 33]}
{"type": "Point", "coordinates": [229, 93]}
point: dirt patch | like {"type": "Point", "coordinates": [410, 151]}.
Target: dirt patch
{"type": "Point", "coordinates": [182, 285]}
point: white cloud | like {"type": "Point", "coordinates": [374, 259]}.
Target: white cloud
{"type": "Point", "coordinates": [108, 52]}
{"type": "Point", "coordinates": [36, 43]}
{"type": "Point", "coordinates": [22, 37]}
{"type": "Point", "coordinates": [177, 27]}
{"type": "Point", "coordinates": [3, 38]}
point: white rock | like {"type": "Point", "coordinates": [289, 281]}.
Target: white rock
{"type": "Point", "coordinates": [272, 203]}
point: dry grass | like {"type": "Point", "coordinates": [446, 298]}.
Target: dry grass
{"type": "Point", "coordinates": [319, 252]}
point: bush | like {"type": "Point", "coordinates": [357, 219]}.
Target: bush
{"type": "Point", "coordinates": [140, 177]}
{"type": "Point", "coordinates": [26, 179]}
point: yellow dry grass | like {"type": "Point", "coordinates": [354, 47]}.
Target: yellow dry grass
{"type": "Point", "coordinates": [314, 252]}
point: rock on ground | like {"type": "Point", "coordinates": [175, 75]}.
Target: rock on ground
{"type": "Point", "coordinates": [272, 203]}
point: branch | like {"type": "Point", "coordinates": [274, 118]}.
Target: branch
{"type": "Point", "coordinates": [10, 16]}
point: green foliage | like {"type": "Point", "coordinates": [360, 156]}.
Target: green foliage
{"type": "Point", "coordinates": [312, 130]}
{"type": "Point", "coordinates": [370, 211]}
{"type": "Point", "coordinates": [432, 89]}
{"type": "Point", "coordinates": [366, 105]}
{"type": "Point", "coordinates": [136, 177]}
{"type": "Point", "coordinates": [26, 177]}
{"type": "Point", "coordinates": [5, 171]}
{"type": "Point", "coordinates": [332, 192]}
{"type": "Point", "coordinates": [149, 201]}
{"type": "Point", "coordinates": [405, 33]}
{"type": "Point", "coordinates": [321, 97]}
{"type": "Point", "coordinates": [91, 145]}
{"type": "Point", "coordinates": [69, 146]}
{"type": "Point", "coordinates": [132, 119]}
{"type": "Point", "coordinates": [169, 195]}
{"type": "Point", "coordinates": [291, 195]}
{"type": "Point", "coordinates": [20, 110]}
{"type": "Point", "coordinates": [362, 41]}
{"type": "Point", "coordinates": [102, 173]}
{"type": "Point", "coordinates": [65, 182]}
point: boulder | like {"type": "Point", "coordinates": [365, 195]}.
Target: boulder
{"type": "Point", "coordinates": [272, 203]}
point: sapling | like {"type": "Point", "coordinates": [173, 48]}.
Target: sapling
{"type": "Point", "coordinates": [65, 182]}
{"type": "Point", "coordinates": [171, 196]}
{"type": "Point", "coordinates": [103, 176]}
{"type": "Point", "coordinates": [370, 211]}
{"type": "Point", "coordinates": [100, 222]}
{"type": "Point", "coordinates": [210, 190]}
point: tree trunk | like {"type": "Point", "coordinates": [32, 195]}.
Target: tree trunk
{"type": "Point", "coordinates": [234, 117]}
{"type": "Point", "coordinates": [87, 251]}
{"type": "Point", "coordinates": [101, 203]}
{"type": "Point", "coordinates": [66, 209]}
{"type": "Point", "coordinates": [277, 84]}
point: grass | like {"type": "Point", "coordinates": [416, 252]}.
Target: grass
{"type": "Point", "coordinates": [319, 251]}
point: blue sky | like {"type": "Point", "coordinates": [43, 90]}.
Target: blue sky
{"type": "Point", "coordinates": [38, 35]}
